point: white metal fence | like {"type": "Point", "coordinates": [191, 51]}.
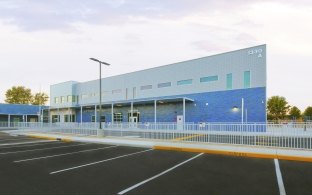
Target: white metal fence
{"type": "Point", "coordinates": [291, 135]}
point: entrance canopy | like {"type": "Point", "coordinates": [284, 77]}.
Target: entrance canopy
{"type": "Point", "coordinates": [144, 101]}
{"type": "Point", "coordinates": [150, 101]}
{"type": "Point", "coordinates": [130, 103]}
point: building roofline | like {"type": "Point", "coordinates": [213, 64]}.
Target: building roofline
{"type": "Point", "coordinates": [161, 66]}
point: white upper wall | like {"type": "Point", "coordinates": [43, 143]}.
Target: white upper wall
{"type": "Point", "coordinates": [121, 87]}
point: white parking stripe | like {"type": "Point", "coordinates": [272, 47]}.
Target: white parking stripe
{"type": "Point", "coordinates": [64, 154]}
{"type": "Point", "coordinates": [158, 175]}
{"type": "Point", "coordinates": [32, 142]}
{"type": "Point", "coordinates": [97, 162]}
{"type": "Point", "coordinates": [279, 178]}
{"type": "Point", "coordinates": [20, 151]}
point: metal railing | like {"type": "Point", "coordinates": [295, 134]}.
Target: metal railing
{"type": "Point", "coordinates": [291, 135]}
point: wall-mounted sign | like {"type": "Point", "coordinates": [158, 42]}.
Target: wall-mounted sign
{"type": "Point", "coordinates": [257, 52]}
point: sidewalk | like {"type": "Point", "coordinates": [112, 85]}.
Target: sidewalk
{"type": "Point", "coordinates": [223, 149]}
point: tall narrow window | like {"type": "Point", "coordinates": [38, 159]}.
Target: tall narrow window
{"type": "Point", "coordinates": [247, 79]}
{"type": "Point", "coordinates": [229, 81]}
{"type": "Point", "coordinates": [56, 100]}
{"type": "Point", "coordinates": [63, 99]}
{"type": "Point", "coordinates": [69, 98]}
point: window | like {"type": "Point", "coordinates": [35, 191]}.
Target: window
{"type": "Point", "coordinates": [93, 118]}
{"type": "Point", "coordinates": [55, 118]}
{"type": "Point", "coordinates": [69, 118]}
{"type": "Point", "coordinates": [118, 117]}
{"type": "Point", "coordinates": [73, 118]}
{"type": "Point", "coordinates": [146, 87]}
{"type": "Point", "coordinates": [57, 100]}
{"type": "Point", "coordinates": [209, 79]}
{"type": "Point", "coordinates": [63, 99]}
{"type": "Point", "coordinates": [229, 81]}
{"type": "Point", "coordinates": [185, 82]}
{"type": "Point", "coordinates": [71, 98]}
{"type": "Point", "coordinates": [161, 85]}
{"type": "Point", "coordinates": [247, 79]}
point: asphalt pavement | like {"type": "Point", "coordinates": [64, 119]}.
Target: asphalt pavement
{"type": "Point", "coordinates": [36, 166]}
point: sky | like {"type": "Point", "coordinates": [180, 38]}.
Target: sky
{"type": "Point", "coordinates": [48, 42]}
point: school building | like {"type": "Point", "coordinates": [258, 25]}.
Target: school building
{"type": "Point", "coordinates": [228, 87]}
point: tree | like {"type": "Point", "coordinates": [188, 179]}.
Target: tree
{"type": "Point", "coordinates": [308, 113]}
{"type": "Point", "coordinates": [18, 95]}
{"type": "Point", "coordinates": [39, 99]}
{"type": "Point", "coordinates": [277, 107]}
{"type": "Point", "coordinates": [294, 113]}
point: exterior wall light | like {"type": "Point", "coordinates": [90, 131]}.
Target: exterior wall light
{"type": "Point", "coordinates": [235, 109]}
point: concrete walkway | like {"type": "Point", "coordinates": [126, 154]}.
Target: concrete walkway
{"type": "Point", "coordinates": [224, 149]}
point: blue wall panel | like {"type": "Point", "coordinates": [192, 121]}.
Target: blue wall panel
{"type": "Point", "coordinates": [19, 109]}
{"type": "Point", "coordinates": [207, 107]}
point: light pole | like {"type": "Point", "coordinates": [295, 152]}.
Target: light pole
{"type": "Point", "coordinates": [100, 63]}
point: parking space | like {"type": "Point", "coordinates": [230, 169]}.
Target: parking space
{"type": "Point", "coordinates": [85, 168]}
{"type": "Point", "coordinates": [214, 174]}
{"type": "Point", "coordinates": [297, 177]}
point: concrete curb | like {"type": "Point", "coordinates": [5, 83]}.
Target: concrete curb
{"type": "Point", "coordinates": [50, 138]}
{"type": "Point", "coordinates": [236, 153]}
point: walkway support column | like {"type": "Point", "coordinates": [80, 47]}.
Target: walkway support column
{"type": "Point", "coordinates": [112, 114]}
{"type": "Point", "coordinates": [80, 114]}
{"type": "Point", "coordinates": [242, 110]}
{"type": "Point", "coordinates": [68, 115]}
{"type": "Point", "coordinates": [58, 115]}
{"type": "Point", "coordinates": [95, 115]}
{"type": "Point", "coordinates": [131, 113]}
{"type": "Point", "coordinates": [49, 117]}
{"type": "Point", "coordinates": [9, 120]}
{"type": "Point", "coordinates": [183, 110]}
{"type": "Point", "coordinates": [155, 112]}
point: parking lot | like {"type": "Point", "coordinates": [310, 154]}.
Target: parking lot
{"type": "Point", "coordinates": [35, 166]}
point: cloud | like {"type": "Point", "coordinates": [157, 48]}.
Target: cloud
{"type": "Point", "coordinates": [34, 15]}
